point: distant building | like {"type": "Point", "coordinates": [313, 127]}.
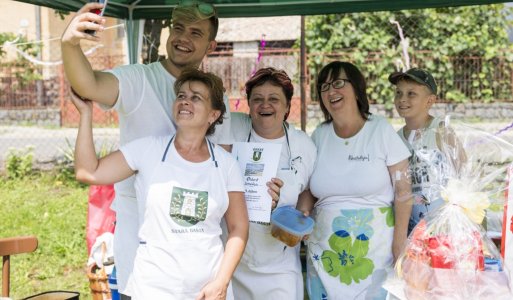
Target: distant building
{"type": "Point", "coordinates": [238, 46]}
{"type": "Point", "coordinates": [242, 36]}
{"type": "Point", "coordinates": [44, 24]}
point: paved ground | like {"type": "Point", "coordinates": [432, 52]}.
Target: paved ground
{"type": "Point", "coordinates": [50, 144]}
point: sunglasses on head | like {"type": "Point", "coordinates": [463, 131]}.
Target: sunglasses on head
{"type": "Point", "coordinates": [205, 9]}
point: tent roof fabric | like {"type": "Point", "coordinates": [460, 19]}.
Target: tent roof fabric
{"type": "Point", "coordinates": [161, 9]}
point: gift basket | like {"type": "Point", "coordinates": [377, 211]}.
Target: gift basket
{"type": "Point", "coordinates": [448, 254]}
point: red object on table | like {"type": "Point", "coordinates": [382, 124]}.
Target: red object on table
{"type": "Point", "coordinates": [440, 249]}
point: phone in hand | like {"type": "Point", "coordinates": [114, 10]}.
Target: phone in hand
{"type": "Point", "coordinates": [98, 12]}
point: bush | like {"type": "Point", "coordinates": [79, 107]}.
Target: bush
{"type": "Point", "coordinates": [465, 48]}
{"type": "Point", "coordinates": [24, 71]}
{"type": "Point", "coordinates": [19, 162]}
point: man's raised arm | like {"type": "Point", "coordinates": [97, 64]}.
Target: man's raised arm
{"type": "Point", "coordinates": [102, 87]}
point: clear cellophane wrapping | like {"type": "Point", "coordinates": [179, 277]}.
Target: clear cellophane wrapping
{"type": "Point", "coordinates": [448, 254]}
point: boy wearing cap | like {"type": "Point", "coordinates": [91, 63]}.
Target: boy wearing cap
{"type": "Point", "coordinates": [143, 96]}
{"type": "Point", "coordinates": [415, 94]}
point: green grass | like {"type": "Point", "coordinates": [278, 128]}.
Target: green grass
{"type": "Point", "coordinates": [55, 212]}
{"type": "Point", "coordinates": [53, 208]}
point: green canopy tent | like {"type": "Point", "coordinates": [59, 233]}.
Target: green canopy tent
{"type": "Point", "coordinates": [134, 10]}
{"type": "Point", "coordinates": [161, 9]}
{"type": "Point", "coordinates": [131, 10]}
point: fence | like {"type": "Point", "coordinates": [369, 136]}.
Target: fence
{"type": "Point", "coordinates": [22, 106]}
{"type": "Point", "coordinates": [53, 91]}
{"type": "Point", "coordinates": [462, 77]}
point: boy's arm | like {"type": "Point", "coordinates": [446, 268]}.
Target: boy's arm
{"type": "Point", "coordinates": [101, 86]}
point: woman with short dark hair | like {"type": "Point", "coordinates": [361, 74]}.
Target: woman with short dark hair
{"type": "Point", "coordinates": [358, 192]}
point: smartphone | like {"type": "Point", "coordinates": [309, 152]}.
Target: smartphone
{"type": "Point", "coordinates": [98, 12]}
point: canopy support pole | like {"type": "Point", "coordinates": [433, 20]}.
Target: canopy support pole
{"type": "Point", "coordinates": [302, 77]}
{"type": "Point", "coordinates": [134, 35]}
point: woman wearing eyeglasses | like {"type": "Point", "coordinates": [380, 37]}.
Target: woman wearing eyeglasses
{"type": "Point", "coordinates": [360, 161]}
{"type": "Point", "coordinates": [269, 269]}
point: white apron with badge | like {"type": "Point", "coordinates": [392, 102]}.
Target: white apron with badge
{"type": "Point", "coordinates": [269, 269]}
{"type": "Point", "coordinates": [180, 249]}
{"type": "Point", "coordinates": [349, 252]}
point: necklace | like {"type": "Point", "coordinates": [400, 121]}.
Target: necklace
{"type": "Point", "coordinates": [346, 137]}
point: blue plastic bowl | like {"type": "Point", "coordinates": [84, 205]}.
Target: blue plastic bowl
{"type": "Point", "coordinates": [289, 225]}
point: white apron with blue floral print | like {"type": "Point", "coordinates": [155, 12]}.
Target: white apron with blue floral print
{"type": "Point", "coordinates": [350, 248]}
{"type": "Point", "coordinates": [349, 252]}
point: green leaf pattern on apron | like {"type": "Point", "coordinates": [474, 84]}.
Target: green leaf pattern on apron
{"type": "Point", "coordinates": [389, 211]}
{"type": "Point", "coordinates": [348, 260]}
{"type": "Point", "coordinates": [349, 246]}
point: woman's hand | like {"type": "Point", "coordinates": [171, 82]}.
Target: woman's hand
{"type": "Point", "coordinates": [275, 186]}
{"type": "Point", "coordinates": [214, 290]}
{"type": "Point", "coordinates": [402, 205]}
{"type": "Point", "coordinates": [237, 225]}
{"type": "Point", "coordinates": [398, 245]}
{"type": "Point", "coordinates": [84, 106]}
{"type": "Point", "coordinates": [306, 202]}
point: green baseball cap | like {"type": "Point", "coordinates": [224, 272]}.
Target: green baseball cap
{"type": "Point", "coordinates": [418, 75]}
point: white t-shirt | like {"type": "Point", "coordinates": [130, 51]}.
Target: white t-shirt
{"type": "Point", "coordinates": [143, 155]}
{"type": "Point", "coordinates": [355, 170]}
{"type": "Point", "coordinates": [301, 146]}
{"type": "Point", "coordinates": [429, 170]}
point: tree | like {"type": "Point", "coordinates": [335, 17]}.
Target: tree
{"type": "Point", "coordinates": [151, 40]}
{"type": "Point", "coordinates": [463, 47]}
{"type": "Point", "coordinates": [23, 70]}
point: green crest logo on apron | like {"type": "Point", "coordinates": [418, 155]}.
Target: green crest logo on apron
{"type": "Point", "coordinates": [188, 207]}
{"type": "Point", "coordinates": [257, 153]}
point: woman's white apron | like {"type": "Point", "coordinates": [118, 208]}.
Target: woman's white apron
{"type": "Point", "coordinates": [180, 249]}
{"type": "Point", "coordinates": [267, 260]}
{"type": "Point", "coordinates": [349, 252]}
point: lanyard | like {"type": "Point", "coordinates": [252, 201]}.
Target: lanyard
{"type": "Point", "coordinates": [210, 150]}
{"type": "Point", "coordinates": [292, 161]}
